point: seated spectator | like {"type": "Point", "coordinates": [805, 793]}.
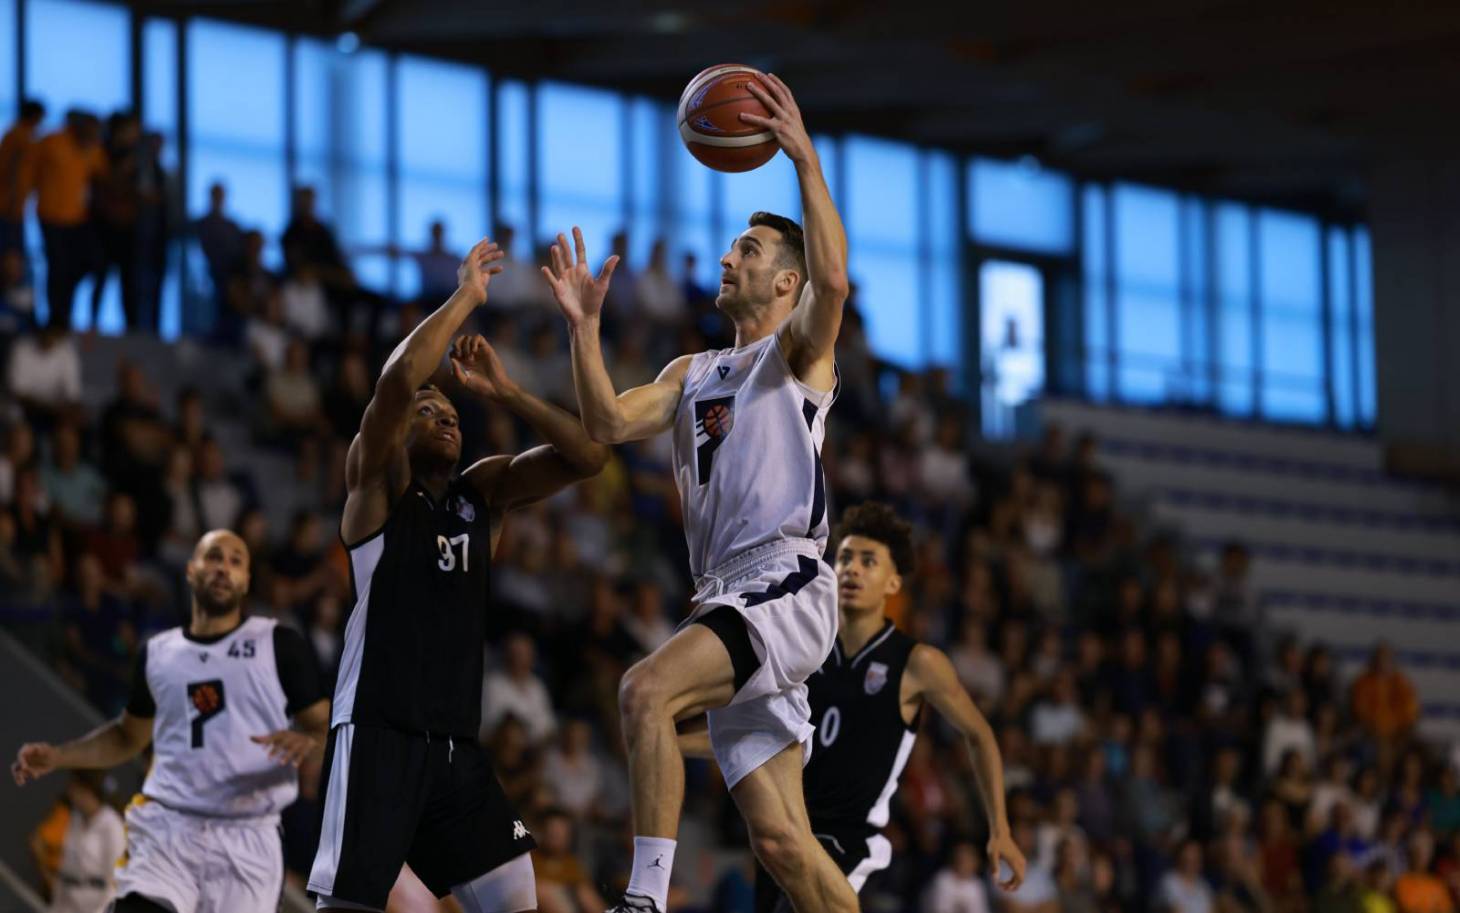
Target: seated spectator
{"type": "Point", "coordinates": [574, 772]}
{"type": "Point", "coordinates": [44, 375]}
{"type": "Point", "coordinates": [1237, 880]}
{"type": "Point", "coordinates": [46, 843]}
{"type": "Point", "coordinates": [266, 336]}
{"type": "Point", "coordinates": [1341, 892]}
{"type": "Point", "coordinates": [191, 424]}
{"type": "Point", "coordinates": [647, 621]}
{"type": "Point", "coordinates": [95, 840]}
{"type": "Point", "coordinates": [304, 303]}
{"type": "Point", "coordinates": [100, 638]}
{"type": "Point", "coordinates": [659, 298]}
{"type": "Point", "coordinates": [1038, 893]}
{"type": "Point", "coordinates": [563, 884]}
{"type": "Point", "coordinates": [1333, 789]}
{"type": "Point", "coordinates": [1385, 703]}
{"type": "Point", "coordinates": [1418, 890]}
{"type": "Point", "coordinates": [134, 437]}
{"type": "Point", "coordinates": [183, 523]}
{"type": "Point", "coordinates": [1061, 829]}
{"type": "Point", "coordinates": [323, 632]}
{"type": "Point", "coordinates": [17, 296]}
{"type": "Point", "coordinates": [1375, 889]}
{"type": "Point", "coordinates": [1338, 838]}
{"type": "Point", "coordinates": [348, 395]}
{"type": "Point", "coordinates": [114, 545]}
{"type": "Point", "coordinates": [979, 670]}
{"type": "Point", "coordinates": [942, 471]}
{"type": "Point", "coordinates": [19, 454]}
{"type": "Point", "coordinates": [1147, 806]}
{"type": "Point", "coordinates": [73, 487]}
{"type": "Point", "coordinates": [1293, 787]}
{"type": "Point", "coordinates": [1093, 793]}
{"type": "Point", "coordinates": [252, 285]}
{"type": "Point", "coordinates": [957, 888]}
{"type": "Point", "coordinates": [1223, 797]}
{"type": "Point", "coordinates": [1058, 720]}
{"type": "Point", "coordinates": [1183, 889]}
{"type": "Point", "coordinates": [513, 689]}
{"type": "Point", "coordinates": [292, 393]}
{"type": "Point", "coordinates": [220, 498]}
{"type": "Point", "coordinates": [300, 564]}
{"type": "Point", "coordinates": [37, 535]}
{"type": "Point", "coordinates": [1443, 803]}
{"type": "Point", "coordinates": [1288, 730]}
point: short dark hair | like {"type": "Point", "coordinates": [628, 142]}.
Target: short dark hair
{"type": "Point", "coordinates": [793, 240]}
{"type": "Point", "coordinates": [880, 523]}
{"type": "Point", "coordinates": [32, 109]}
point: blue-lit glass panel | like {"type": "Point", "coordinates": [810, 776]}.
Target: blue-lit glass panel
{"type": "Point", "coordinates": [1234, 309]}
{"type": "Point", "coordinates": [315, 119]}
{"type": "Point", "coordinates": [1011, 299]}
{"type": "Point", "coordinates": [1022, 206]}
{"type": "Point", "coordinates": [9, 103]}
{"type": "Point", "coordinates": [513, 168]}
{"type": "Point", "coordinates": [78, 55]}
{"type": "Point", "coordinates": [943, 303]}
{"type": "Point", "coordinates": [693, 196]}
{"type": "Point", "coordinates": [881, 213]}
{"type": "Point", "coordinates": [650, 130]}
{"type": "Point", "coordinates": [580, 148]}
{"type": "Point", "coordinates": [1292, 330]}
{"type": "Point", "coordinates": [1341, 384]}
{"type": "Point", "coordinates": [1364, 306]}
{"type": "Point", "coordinates": [1147, 299]}
{"type": "Point", "coordinates": [442, 150]}
{"type": "Point", "coordinates": [1195, 322]}
{"type": "Point", "coordinates": [159, 82]}
{"type": "Point", "coordinates": [236, 126]}
{"type": "Point", "coordinates": [1094, 255]}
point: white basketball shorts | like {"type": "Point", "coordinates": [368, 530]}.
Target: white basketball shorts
{"type": "Point", "coordinates": [196, 864]}
{"type": "Point", "coordinates": [786, 595]}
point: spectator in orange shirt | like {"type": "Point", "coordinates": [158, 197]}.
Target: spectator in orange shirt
{"type": "Point", "coordinates": [66, 163]}
{"type": "Point", "coordinates": [1419, 890]}
{"type": "Point", "coordinates": [1385, 702]}
{"type": "Point", "coordinates": [17, 150]}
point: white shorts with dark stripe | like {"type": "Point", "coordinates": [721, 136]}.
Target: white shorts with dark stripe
{"type": "Point", "coordinates": [786, 595]}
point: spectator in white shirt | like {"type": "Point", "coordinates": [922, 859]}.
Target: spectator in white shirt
{"type": "Point", "coordinates": [44, 373]}
{"type": "Point", "coordinates": [265, 334]}
{"type": "Point", "coordinates": [1183, 889]}
{"type": "Point", "coordinates": [659, 297]}
{"type": "Point", "coordinates": [573, 771]}
{"type": "Point", "coordinates": [218, 497]}
{"type": "Point", "coordinates": [1289, 730]}
{"type": "Point", "coordinates": [1038, 893]}
{"type": "Point", "coordinates": [513, 689]}
{"type": "Point", "coordinates": [957, 888]}
{"type": "Point", "coordinates": [943, 467]}
{"type": "Point", "coordinates": [646, 621]}
{"type": "Point", "coordinates": [1058, 721]}
{"type": "Point", "coordinates": [306, 307]}
{"type": "Point", "coordinates": [1333, 789]}
{"type": "Point", "coordinates": [95, 840]}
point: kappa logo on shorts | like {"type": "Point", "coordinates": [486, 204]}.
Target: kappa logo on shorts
{"type": "Point", "coordinates": [519, 830]}
{"type": "Point", "coordinates": [876, 677]}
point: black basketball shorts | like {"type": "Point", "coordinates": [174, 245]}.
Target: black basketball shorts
{"type": "Point", "coordinates": [858, 852]}
{"type": "Point", "coordinates": [390, 797]}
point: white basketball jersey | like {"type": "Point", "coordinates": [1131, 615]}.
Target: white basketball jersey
{"type": "Point", "coordinates": [747, 454]}
{"type": "Point", "coordinates": [211, 697]}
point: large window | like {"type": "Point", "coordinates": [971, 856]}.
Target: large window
{"type": "Point", "coordinates": [514, 163]}
{"type": "Point", "coordinates": [442, 151]}
{"type": "Point", "coordinates": [941, 292]}
{"type": "Point", "coordinates": [1020, 206]}
{"type": "Point", "coordinates": [78, 55]}
{"type": "Point", "coordinates": [236, 125]}
{"type": "Point", "coordinates": [9, 103]}
{"type": "Point", "coordinates": [580, 153]}
{"type": "Point", "coordinates": [1289, 253]}
{"type": "Point", "coordinates": [881, 212]}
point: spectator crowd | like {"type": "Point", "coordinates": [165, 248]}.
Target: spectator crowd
{"type": "Point", "coordinates": [1164, 749]}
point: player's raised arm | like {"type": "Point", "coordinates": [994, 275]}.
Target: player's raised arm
{"type": "Point", "coordinates": [609, 417]}
{"type": "Point", "coordinates": [815, 322]}
{"type": "Point", "coordinates": [937, 683]}
{"type": "Point", "coordinates": [510, 481]}
{"type": "Point", "coordinates": [377, 447]}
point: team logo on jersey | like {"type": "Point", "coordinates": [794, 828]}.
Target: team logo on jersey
{"type": "Point", "coordinates": [714, 419]}
{"type": "Point", "coordinates": [876, 677]}
{"type": "Point", "coordinates": [724, 371]}
{"type": "Point", "coordinates": [465, 510]}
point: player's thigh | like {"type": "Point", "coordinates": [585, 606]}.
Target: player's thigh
{"type": "Point", "coordinates": [688, 674]}
{"type": "Point", "coordinates": [161, 860]}
{"type": "Point", "coordinates": [771, 800]}
{"type": "Point", "coordinates": [468, 828]}
{"type": "Point", "coordinates": [251, 860]}
{"type": "Point", "coordinates": [509, 888]}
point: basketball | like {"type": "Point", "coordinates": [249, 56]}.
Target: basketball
{"type": "Point", "coordinates": [710, 124]}
{"type": "Point", "coordinates": [718, 421]}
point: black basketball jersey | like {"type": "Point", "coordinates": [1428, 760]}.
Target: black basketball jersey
{"type": "Point", "coordinates": [862, 743]}
{"type": "Point", "coordinates": [412, 657]}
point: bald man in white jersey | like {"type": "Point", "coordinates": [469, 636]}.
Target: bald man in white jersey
{"type": "Point", "coordinates": [748, 424]}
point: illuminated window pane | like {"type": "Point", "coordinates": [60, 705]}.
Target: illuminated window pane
{"type": "Point", "coordinates": [9, 103]}
{"type": "Point", "coordinates": [513, 168]}
{"type": "Point", "coordinates": [882, 218]}
{"type": "Point", "coordinates": [580, 148]}
{"type": "Point", "coordinates": [1292, 331]}
{"type": "Point", "coordinates": [942, 301]}
{"type": "Point", "coordinates": [1147, 263]}
{"type": "Point", "coordinates": [1342, 386]}
{"type": "Point", "coordinates": [1097, 300]}
{"type": "Point", "coordinates": [1020, 205]}
{"type": "Point", "coordinates": [1364, 305]}
{"type": "Point", "coordinates": [1234, 306]}
{"type": "Point", "coordinates": [78, 55]}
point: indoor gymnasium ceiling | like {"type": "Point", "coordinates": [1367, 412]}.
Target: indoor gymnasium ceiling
{"type": "Point", "coordinates": [1276, 101]}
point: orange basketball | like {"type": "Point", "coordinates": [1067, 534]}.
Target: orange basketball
{"type": "Point", "coordinates": [710, 124]}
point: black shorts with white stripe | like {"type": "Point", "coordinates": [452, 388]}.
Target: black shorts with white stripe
{"type": "Point", "coordinates": [391, 797]}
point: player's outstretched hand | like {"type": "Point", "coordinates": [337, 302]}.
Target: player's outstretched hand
{"type": "Point", "coordinates": [475, 365]}
{"type": "Point", "coordinates": [288, 746]}
{"type": "Point", "coordinates": [579, 293]}
{"type": "Point", "coordinates": [33, 761]}
{"type": "Point", "coordinates": [785, 117]}
{"type": "Point", "coordinates": [1002, 846]}
{"type": "Point", "coordinates": [476, 271]}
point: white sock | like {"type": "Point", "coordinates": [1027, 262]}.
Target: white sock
{"type": "Point", "coordinates": [653, 860]}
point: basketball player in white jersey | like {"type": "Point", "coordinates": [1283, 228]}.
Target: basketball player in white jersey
{"type": "Point", "coordinates": [215, 698]}
{"type": "Point", "coordinates": [867, 701]}
{"type": "Point", "coordinates": [748, 424]}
